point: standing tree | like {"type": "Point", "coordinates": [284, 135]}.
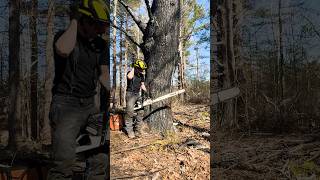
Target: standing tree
{"type": "Point", "coordinates": [114, 34]}
{"type": "Point", "coordinates": [160, 50]}
{"type": "Point", "coordinates": [225, 63]}
{"type": "Point", "coordinates": [14, 72]}
{"type": "Point", "coordinates": [45, 131]}
{"type": "Point", "coordinates": [34, 70]}
{"type": "Point", "coordinates": [120, 64]}
{"type": "Point", "coordinates": [125, 62]}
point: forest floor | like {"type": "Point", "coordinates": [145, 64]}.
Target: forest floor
{"type": "Point", "coordinates": [266, 156]}
{"type": "Point", "coordinates": [181, 155]}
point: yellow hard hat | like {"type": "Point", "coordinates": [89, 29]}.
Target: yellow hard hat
{"type": "Point", "coordinates": [96, 9]}
{"type": "Point", "coordinates": [140, 64]}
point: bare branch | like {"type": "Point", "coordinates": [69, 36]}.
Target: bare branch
{"type": "Point", "coordinates": [128, 36]}
{"type": "Point", "coordinates": [312, 24]}
{"type": "Point", "coordinates": [142, 26]}
{"type": "Point", "coordinates": [149, 10]}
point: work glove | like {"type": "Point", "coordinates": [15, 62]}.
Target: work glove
{"type": "Point", "coordinates": [140, 100]}
{"type": "Point", "coordinates": [74, 11]}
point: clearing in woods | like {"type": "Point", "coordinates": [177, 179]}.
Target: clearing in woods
{"type": "Point", "coordinates": [183, 155]}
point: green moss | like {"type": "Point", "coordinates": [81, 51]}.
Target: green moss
{"type": "Point", "coordinates": [304, 170]}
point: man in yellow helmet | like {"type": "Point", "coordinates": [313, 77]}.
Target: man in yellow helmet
{"type": "Point", "coordinates": [135, 83]}
{"type": "Point", "coordinates": [81, 60]}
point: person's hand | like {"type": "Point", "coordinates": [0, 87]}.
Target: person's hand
{"type": "Point", "coordinates": [74, 11]}
{"type": "Point", "coordinates": [143, 87]}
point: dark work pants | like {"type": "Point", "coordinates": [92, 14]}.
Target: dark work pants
{"type": "Point", "coordinates": [131, 99]}
{"type": "Point", "coordinates": [69, 115]}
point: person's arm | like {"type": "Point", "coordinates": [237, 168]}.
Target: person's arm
{"type": "Point", "coordinates": [131, 74]}
{"type": "Point", "coordinates": [104, 76]}
{"type": "Point", "coordinates": [67, 41]}
{"type": "Point", "coordinates": [143, 87]}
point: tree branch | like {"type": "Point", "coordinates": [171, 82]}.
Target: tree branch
{"type": "Point", "coordinates": [312, 25]}
{"type": "Point", "coordinates": [149, 10]}
{"type": "Point", "coordinates": [142, 26]}
{"type": "Point", "coordinates": [128, 36]}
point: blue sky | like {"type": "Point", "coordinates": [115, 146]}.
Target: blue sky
{"type": "Point", "coordinates": [204, 49]}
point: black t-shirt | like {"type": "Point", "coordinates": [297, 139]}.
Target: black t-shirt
{"type": "Point", "coordinates": [77, 75]}
{"type": "Point", "coordinates": [134, 84]}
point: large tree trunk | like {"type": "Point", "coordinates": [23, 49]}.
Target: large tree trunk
{"type": "Point", "coordinates": [213, 84]}
{"type": "Point", "coordinates": [14, 71]}
{"type": "Point", "coordinates": [114, 34]}
{"type": "Point", "coordinates": [34, 70]}
{"type": "Point", "coordinates": [230, 107]}
{"type": "Point", "coordinates": [45, 131]}
{"type": "Point", "coordinates": [160, 49]}
{"type": "Point", "coordinates": [218, 67]}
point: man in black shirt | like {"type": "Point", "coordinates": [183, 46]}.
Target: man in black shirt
{"type": "Point", "coordinates": [135, 82]}
{"type": "Point", "coordinates": [80, 58]}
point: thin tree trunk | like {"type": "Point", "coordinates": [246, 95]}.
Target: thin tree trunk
{"type": "Point", "coordinates": [34, 71]}
{"type": "Point", "coordinates": [120, 64]}
{"type": "Point", "coordinates": [197, 66]}
{"type": "Point", "coordinates": [1, 68]}
{"type": "Point", "coordinates": [125, 62]}
{"type": "Point", "coordinates": [114, 80]}
{"type": "Point", "coordinates": [275, 61]}
{"type": "Point", "coordinates": [280, 55]}
{"type": "Point", "coordinates": [180, 47]}
{"type": "Point", "coordinates": [181, 52]}
{"type": "Point", "coordinates": [14, 72]}
{"type": "Point", "coordinates": [45, 131]}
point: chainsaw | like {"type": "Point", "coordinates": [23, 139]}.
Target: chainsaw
{"type": "Point", "coordinates": [148, 101]}
{"type": "Point", "coordinates": [96, 139]}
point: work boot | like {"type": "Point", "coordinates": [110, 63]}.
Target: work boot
{"type": "Point", "coordinates": [139, 131]}
{"type": "Point", "coordinates": [131, 134]}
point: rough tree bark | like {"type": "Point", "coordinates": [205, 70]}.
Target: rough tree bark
{"type": "Point", "coordinates": [160, 49]}
{"type": "Point", "coordinates": [45, 128]}
{"type": "Point", "coordinates": [14, 71]}
{"type": "Point", "coordinates": [161, 58]}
